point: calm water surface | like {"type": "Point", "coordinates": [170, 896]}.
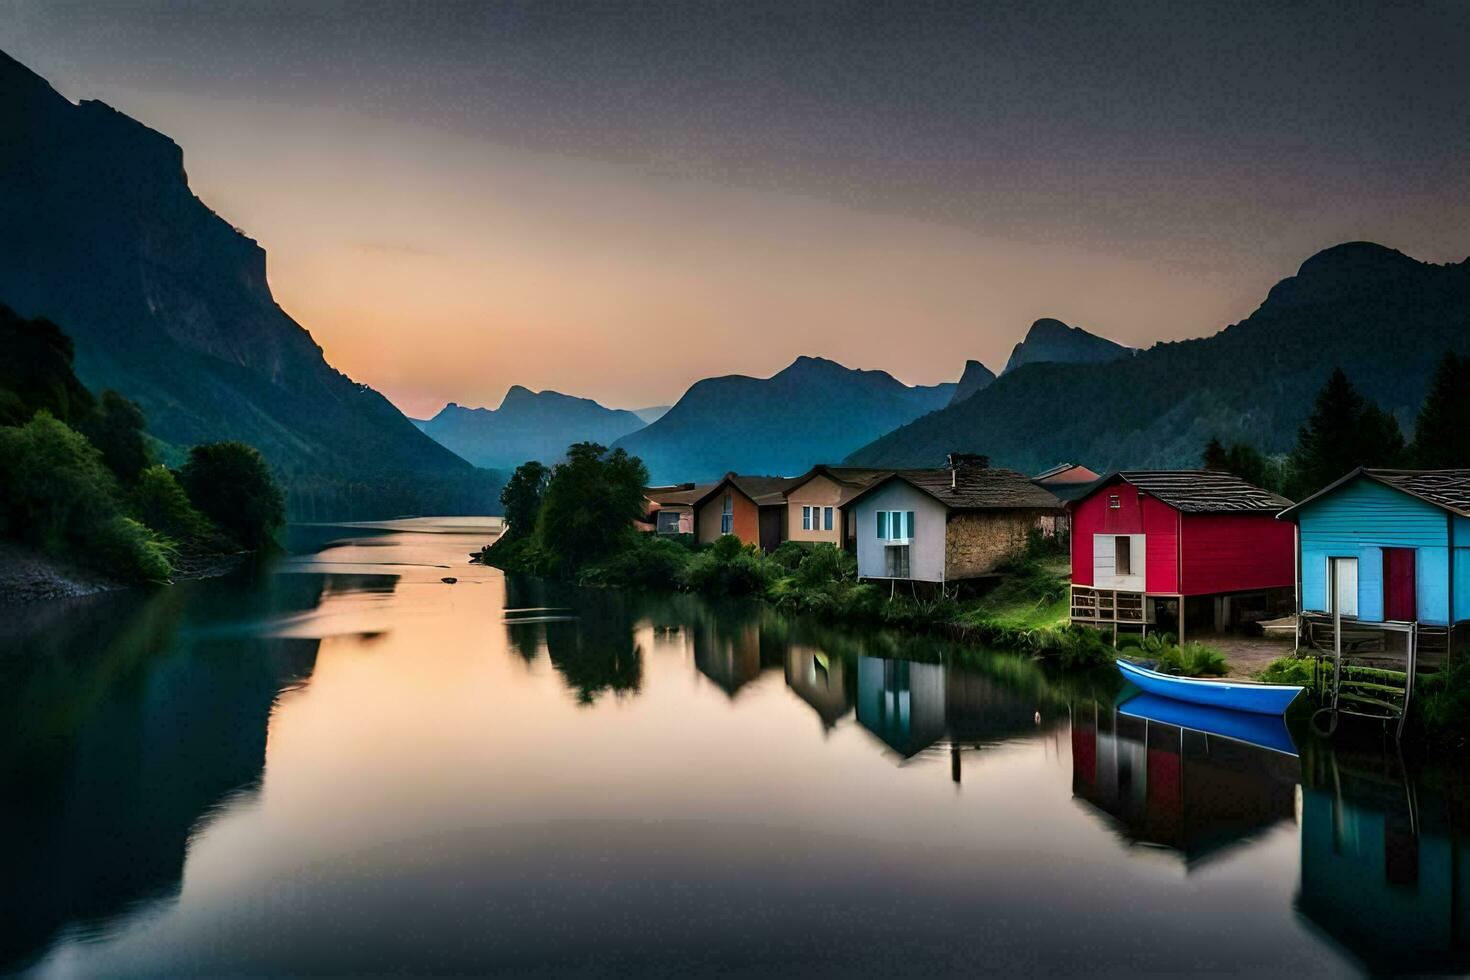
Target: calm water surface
{"type": "Point", "coordinates": [346, 765]}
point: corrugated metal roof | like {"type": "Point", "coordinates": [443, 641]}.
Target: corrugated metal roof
{"type": "Point", "coordinates": [1203, 491]}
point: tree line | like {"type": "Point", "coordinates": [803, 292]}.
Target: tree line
{"type": "Point", "coordinates": [80, 478]}
{"type": "Point", "coordinates": [1346, 430]}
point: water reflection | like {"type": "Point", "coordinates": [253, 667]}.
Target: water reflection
{"type": "Point", "coordinates": [1384, 870]}
{"type": "Point", "coordinates": [358, 768]}
{"type": "Point", "coordinates": [128, 721]}
{"type": "Point", "coordinates": [1196, 793]}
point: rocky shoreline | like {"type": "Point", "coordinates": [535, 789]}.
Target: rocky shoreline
{"type": "Point", "coordinates": [28, 576]}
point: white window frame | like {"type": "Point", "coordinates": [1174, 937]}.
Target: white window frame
{"type": "Point", "coordinates": [806, 518]}
{"type": "Point", "coordinates": [826, 518]}
{"type": "Point", "coordinates": [727, 515]}
{"type": "Point", "coordinates": [1347, 588]}
{"type": "Point", "coordinates": [906, 520]}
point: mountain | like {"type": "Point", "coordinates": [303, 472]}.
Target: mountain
{"type": "Point", "coordinates": [527, 425]}
{"type": "Point", "coordinates": [976, 377]}
{"type": "Point", "coordinates": [169, 305]}
{"type": "Point", "coordinates": [1384, 317]}
{"type": "Point", "coordinates": [813, 411]}
{"type": "Point", "coordinates": [652, 413]}
{"type": "Point", "coordinates": [1053, 342]}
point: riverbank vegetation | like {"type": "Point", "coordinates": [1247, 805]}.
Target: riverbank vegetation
{"type": "Point", "coordinates": [79, 482]}
{"type": "Point", "coordinates": [576, 522]}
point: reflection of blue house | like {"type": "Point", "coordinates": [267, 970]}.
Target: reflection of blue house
{"type": "Point", "coordinates": [1399, 541]}
{"type": "Point", "coordinates": [902, 703]}
{"type": "Point", "coordinates": [1380, 875]}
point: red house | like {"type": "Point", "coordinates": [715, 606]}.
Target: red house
{"type": "Point", "coordinates": [1177, 549]}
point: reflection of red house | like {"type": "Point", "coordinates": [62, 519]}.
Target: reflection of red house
{"type": "Point", "coordinates": [1147, 542]}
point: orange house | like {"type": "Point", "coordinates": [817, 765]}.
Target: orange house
{"type": "Point", "coordinates": [753, 508]}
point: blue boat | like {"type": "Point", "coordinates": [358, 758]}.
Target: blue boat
{"type": "Point", "coordinates": [1248, 727]}
{"type": "Point", "coordinates": [1262, 699]}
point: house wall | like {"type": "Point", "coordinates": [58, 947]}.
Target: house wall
{"type": "Point", "coordinates": [976, 541]}
{"type": "Point", "coordinates": [926, 553]}
{"type": "Point", "coordinates": [686, 517]}
{"type": "Point", "coordinates": [1358, 521]}
{"type": "Point", "coordinates": [819, 491]}
{"type": "Point", "coordinates": [1137, 513]}
{"type": "Point", "coordinates": [1235, 552]}
{"type": "Point", "coordinates": [747, 517]}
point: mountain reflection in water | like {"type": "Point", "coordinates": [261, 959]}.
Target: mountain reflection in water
{"type": "Point", "coordinates": [346, 765]}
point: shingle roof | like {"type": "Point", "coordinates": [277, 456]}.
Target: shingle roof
{"type": "Point", "coordinates": [852, 479]}
{"type": "Point", "coordinates": [764, 490]}
{"type": "Point", "coordinates": [1202, 491]}
{"type": "Point", "coordinates": [974, 489]}
{"type": "Point", "coordinates": [1066, 473]}
{"type": "Point", "coordinates": [1449, 489]}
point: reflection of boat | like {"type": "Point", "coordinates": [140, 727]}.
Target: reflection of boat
{"type": "Point", "coordinates": [1192, 791]}
{"type": "Point", "coordinates": [1265, 731]}
{"type": "Point", "coordinates": [1266, 699]}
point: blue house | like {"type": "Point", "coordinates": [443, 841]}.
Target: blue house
{"type": "Point", "coordinates": [1400, 542]}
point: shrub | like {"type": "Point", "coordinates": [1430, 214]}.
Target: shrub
{"type": "Point", "coordinates": [55, 492]}
{"type": "Point", "coordinates": [1445, 704]}
{"type": "Point", "coordinates": [1193, 659]}
{"type": "Point", "coordinates": [1288, 670]}
{"type": "Point", "coordinates": [159, 502]}
{"type": "Point", "coordinates": [728, 567]}
{"type": "Point", "coordinates": [130, 550]}
{"type": "Point", "coordinates": [649, 562]}
{"type": "Point", "coordinates": [230, 483]}
{"type": "Point", "coordinates": [826, 563]}
{"type": "Point", "coordinates": [788, 555]}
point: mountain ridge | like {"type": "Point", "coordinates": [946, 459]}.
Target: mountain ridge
{"type": "Point", "coordinates": [170, 305]}
{"type": "Point", "coordinates": [813, 409]}
{"type": "Point", "coordinates": [527, 425]}
{"type": "Point", "coordinates": [1253, 381]}
{"type": "Point", "coordinates": [1050, 341]}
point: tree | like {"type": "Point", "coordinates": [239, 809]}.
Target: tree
{"type": "Point", "coordinates": [115, 427]}
{"type": "Point", "coordinates": [521, 498]}
{"type": "Point", "coordinates": [230, 483]}
{"type": "Point", "coordinates": [1344, 431]}
{"type": "Point", "coordinates": [54, 489]}
{"type": "Point", "coordinates": [590, 504]}
{"type": "Point", "coordinates": [1442, 428]}
{"type": "Point", "coordinates": [161, 503]}
{"type": "Point", "coordinates": [1214, 456]}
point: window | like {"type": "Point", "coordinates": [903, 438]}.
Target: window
{"type": "Point", "coordinates": [827, 518]}
{"type": "Point", "coordinates": [1123, 555]}
{"type": "Point", "coordinates": [668, 522]}
{"type": "Point", "coordinates": [727, 516]}
{"type": "Point", "coordinates": [892, 525]}
{"type": "Point", "coordinates": [806, 518]}
{"type": "Point", "coordinates": [896, 561]}
{"type": "Point", "coordinates": [1114, 501]}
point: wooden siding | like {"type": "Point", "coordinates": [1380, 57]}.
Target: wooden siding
{"type": "Point", "coordinates": [1236, 553]}
{"type": "Point", "coordinates": [1137, 513]}
{"type": "Point", "coordinates": [1358, 521]}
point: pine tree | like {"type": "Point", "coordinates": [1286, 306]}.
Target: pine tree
{"type": "Point", "coordinates": [1442, 428]}
{"type": "Point", "coordinates": [1214, 457]}
{"type": "Point", "coordinates": [1344, 431]}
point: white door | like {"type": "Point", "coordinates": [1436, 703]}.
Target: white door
{"type": "Point", "coordinates": [1347, 584]}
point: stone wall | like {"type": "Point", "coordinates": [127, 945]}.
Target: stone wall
{"type": "Point", "coordinates": [978, 540]}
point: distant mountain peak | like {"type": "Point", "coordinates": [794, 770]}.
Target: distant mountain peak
{"type": "Point", "coordinates": [976, 377]}
{"type": "Point", "coordinates": [1052, 341]}
{"type": "Point", "coordinates": [527, 425]}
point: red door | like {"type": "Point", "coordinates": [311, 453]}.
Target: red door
{"type": "Point", "coordinates": [1398, 584]}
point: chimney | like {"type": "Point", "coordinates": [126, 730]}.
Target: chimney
{"type": "Point", "coordinates": [966, 462]}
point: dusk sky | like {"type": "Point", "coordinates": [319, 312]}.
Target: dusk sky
{"type": "Point", "coordinates": [617, 200]}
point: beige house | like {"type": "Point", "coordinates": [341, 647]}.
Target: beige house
{"type": "Point", "coordinates": [814, 502]}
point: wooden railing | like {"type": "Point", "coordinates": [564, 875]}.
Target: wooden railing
{"type": "Point", "coordinates": [1091, 605]}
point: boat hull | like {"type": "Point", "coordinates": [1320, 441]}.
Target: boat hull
{"type": "Point", "coordinates": [1261, 699]}
{"type": "Point", "coordinates": [1247, 727]}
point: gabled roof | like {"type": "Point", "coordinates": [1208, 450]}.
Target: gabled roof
{"type": "Point", "coordinates": [850, 478]}
{"type": "Point", "coordinates": [679, 493]}
{"type": "Point", "coordinates": [990, 488]}
{"type": "Point", "coordinates": [764, 491]}
{"type": "Point", "coordinates": [1446, 489]}
{"type": "Point", "coordinates": [1201, 491]}
{"type": "Point", "coordinates": [1066, 473]}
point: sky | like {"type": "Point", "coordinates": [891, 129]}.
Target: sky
{"type": "Point", "coordinates": [615, 200]}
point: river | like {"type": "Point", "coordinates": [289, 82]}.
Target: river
{"type": "Point", "coordinates": [344, 764]}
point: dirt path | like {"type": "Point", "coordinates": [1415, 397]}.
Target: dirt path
{"type": "Point", "coordinates": [1247, 654]}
